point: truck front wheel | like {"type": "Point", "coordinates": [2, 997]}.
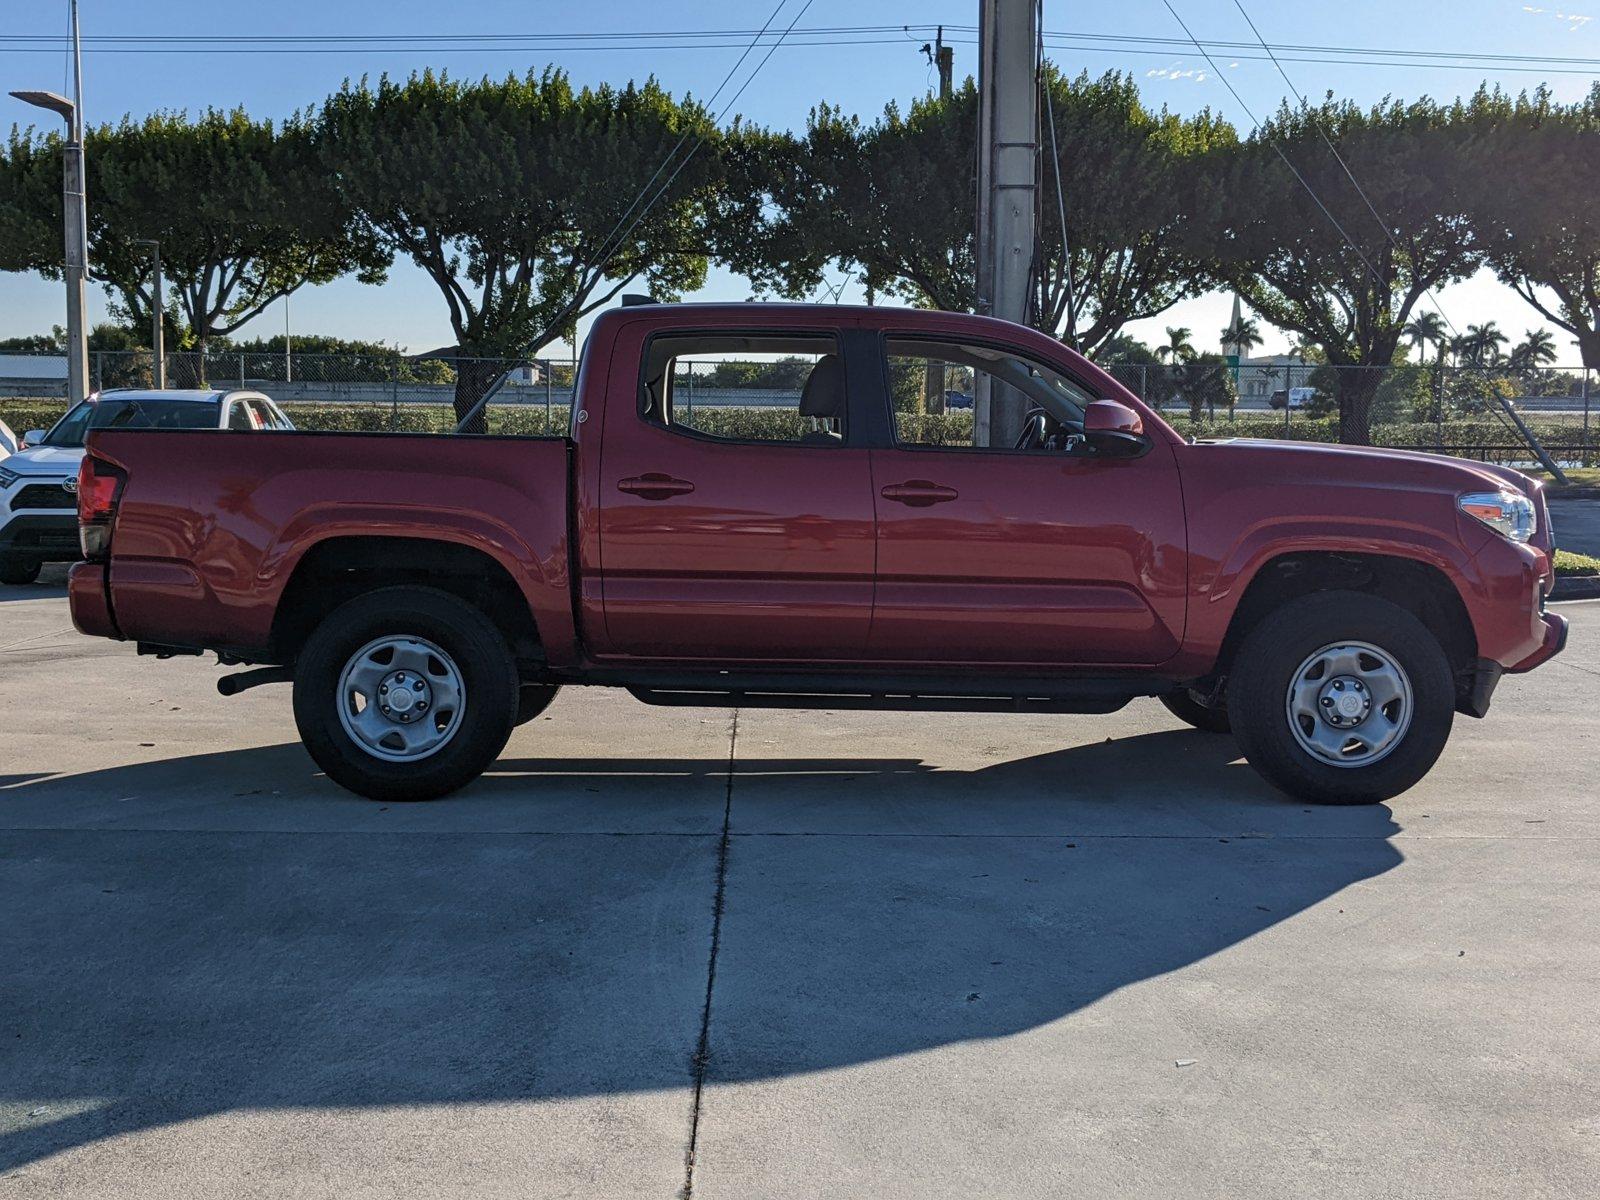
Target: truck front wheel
{"type": "Point", "coordinates": [1341, 698]}
{"type": "Point", "coordinates": [405, 693]}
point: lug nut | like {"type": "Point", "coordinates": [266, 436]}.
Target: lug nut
{"type": "Point", "coordinates": [1327, 702]}
{"type": "Point", "coordinates": [385, 708]}
{"type": "Point", "coordinates": [400, 678]}
{"type": "Point", "coordinates": [422, 706]}
{"type": "Point", "coordinates": [417, 686]}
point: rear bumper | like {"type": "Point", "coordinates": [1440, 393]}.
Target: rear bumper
{"type": "Point", "coordinates": [41, 537]}
{"type": "Point", "coordinates": [87, 598]}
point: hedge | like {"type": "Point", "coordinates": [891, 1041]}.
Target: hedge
{"type": "Point", "coordinates": [949, 428]}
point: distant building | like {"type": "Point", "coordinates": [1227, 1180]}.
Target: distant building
{"type": "Point", "coordinates": [1260, 377]}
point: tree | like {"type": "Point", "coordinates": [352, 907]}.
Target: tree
{"type": "Point", "coordinates": [896, 201]}
{"type": "Point", "coordinates": [244, 213]}
{"type": "Point", "coordinates": [1284, 255]}
{"type": "Point", "coordinates": [1424, 330]}
{"type": "Point", "coordinates": [514, 195]}
{"type": "Point", "coordinates": [1537, 349]}
{"type": "Point", "coordinates": [1481, 344]}
{"type": "Point", "coordinates": [1542, 239]}
{"type": "Point", "coordinates": [1178, 348]}
{"type": "Point", "coordinates": [1244, 333]}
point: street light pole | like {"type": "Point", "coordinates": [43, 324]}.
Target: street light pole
{"type": "Point", "coordinates": [75, 223]}
{"type": "Point", "coordinates": [158, 349]}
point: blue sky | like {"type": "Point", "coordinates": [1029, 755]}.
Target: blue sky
{"type": "Point", "coordinates": [863, 78]}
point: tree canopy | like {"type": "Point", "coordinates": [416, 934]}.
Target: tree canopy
{"type": "Point", "coordinates": [1323, 265]}
{"type": "Point", "coordinates": [508, 192]}
{"type": "Point", "coordinates": [243, 213]}
{"type": "Point", "coordinates": [1543, 236]}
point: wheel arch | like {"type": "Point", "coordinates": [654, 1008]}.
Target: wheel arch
{"type": "Point", "coordinates": [1414, 584]}
{"type": "Point", "coordinates": [340, 567]}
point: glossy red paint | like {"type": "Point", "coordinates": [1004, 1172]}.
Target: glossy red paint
{"type": "Point", "coordinates": [869, 554]}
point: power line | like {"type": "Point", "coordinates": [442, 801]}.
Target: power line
{"type": "Point", "coordinates": [811, 36]}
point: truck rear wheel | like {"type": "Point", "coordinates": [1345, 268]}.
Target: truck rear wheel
{"type": "Point", "coordinates": [1341, 698]}
{"type": "Point", "coordinates": [405, 693]}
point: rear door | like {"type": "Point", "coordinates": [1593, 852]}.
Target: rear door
{"type": "Point", "coordinates": [1036, 557]}
{"type": "Point", "coordinates": [735, 507]}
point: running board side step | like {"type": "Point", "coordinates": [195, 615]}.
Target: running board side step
{"type": "Point", "coordinates": [1088, 702]}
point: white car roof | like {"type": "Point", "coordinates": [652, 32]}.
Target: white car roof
{"type": "Point", "coordinates": [196, 395]}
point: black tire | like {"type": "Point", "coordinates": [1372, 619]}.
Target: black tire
{"type": "Point", "coordinates": [533, 699]}
{"type": "Point", "coordinates": [1204, 717]}
{"type": "Point", "coordinates": [18, 571]}
{"type": "Point", "coordinates": [1258, 689]}
{"type": "Point", "coordinates": [480, 654]}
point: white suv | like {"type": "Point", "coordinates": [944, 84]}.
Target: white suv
{"type": "Point", "coordinates": [38, 485]}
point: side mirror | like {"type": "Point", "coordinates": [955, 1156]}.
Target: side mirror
{"type": "Point", "coordinates": [32, 438]}
{"type": "Point", "coordinates": [1114, 430]}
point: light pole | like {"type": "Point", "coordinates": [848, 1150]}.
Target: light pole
{"type": "Point", "coordinates": [158, 350]}
{"type": "Point", "coordinates": [75, 217]}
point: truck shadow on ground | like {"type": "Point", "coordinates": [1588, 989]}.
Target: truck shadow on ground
{"type": "Point", "coordinates": [874, 908]}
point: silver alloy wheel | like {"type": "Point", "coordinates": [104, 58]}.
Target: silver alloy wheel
{"type": "Point", "coordinates": [1349, 704]}
{"type": "Point", "coordinates": [401, 698]}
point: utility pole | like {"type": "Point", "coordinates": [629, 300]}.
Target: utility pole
{"type": "Point", "coordinates": [75, 225]}
{"type": "Point", "coordinates": [943, 57]}
{"type": "Point", "coordinates": [1008, 146]}
{"type": "Point", "coordinates": [158, 349]}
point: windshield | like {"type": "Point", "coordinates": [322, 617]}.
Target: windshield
{"type": "Point", "coordinates": [115, 413]}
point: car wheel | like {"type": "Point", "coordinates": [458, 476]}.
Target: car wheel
{"type": "Point", "coordinates": [1341, 698]}
{"type": "Point", "coordinates": [1205, 717]}
{"type": "Point", "coordinates": [19, 570]}
{"type": "Point", "coordinates": [405, 693]}
{"type": "Point", "coordinates": [533, 699]}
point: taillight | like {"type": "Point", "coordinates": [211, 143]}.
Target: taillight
{"type": "Point", "coordinates": [99, 487]}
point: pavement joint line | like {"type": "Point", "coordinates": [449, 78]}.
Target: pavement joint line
{"type": "Point", "coordinates": [703, 1049]}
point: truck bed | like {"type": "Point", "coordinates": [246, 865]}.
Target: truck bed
{"type": "Point", "coordinates": [212, 525]}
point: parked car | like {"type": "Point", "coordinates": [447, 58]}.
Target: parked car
{"type": "Point", "coordinates": [1295, 397]}
{"type": "Point", "coordinates": [1333, 607]}
{"type": "Point", "coordinates": [38, 484]}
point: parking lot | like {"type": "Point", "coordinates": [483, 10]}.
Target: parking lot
{"type": "Point", "coordinates": [956, 955]}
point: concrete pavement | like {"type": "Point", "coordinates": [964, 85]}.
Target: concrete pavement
{"type": "Point", "coordinates": [958, 955]}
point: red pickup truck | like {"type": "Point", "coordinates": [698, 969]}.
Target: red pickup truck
{"type": "Point", "coordinates": [1332, 607]}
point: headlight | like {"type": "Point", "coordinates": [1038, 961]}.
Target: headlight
{"type": "Point", "coordinates": [7, 478]}
{"type": "Point", "coordinates": [1509, 514]}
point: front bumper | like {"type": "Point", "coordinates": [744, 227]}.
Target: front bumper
{"type": "Point", "coordinates": [41, 537]}
{"type": "Point", "coordinates": [1554, 642]}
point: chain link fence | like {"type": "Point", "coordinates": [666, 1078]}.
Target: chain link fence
{"type": "Point", "coordinates": [1450, 409]}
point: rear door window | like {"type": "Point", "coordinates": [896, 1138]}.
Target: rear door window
{"type": "Point", "coordinates": [769, 387]}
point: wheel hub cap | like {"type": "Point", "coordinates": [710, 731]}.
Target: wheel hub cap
{"type": "Point", "coordinates": [401, 698]}
{"type": "Point", "coordinates": [1349, 704]}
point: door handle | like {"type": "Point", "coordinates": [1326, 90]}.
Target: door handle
{"type": "Point", "coordinates": [653, 485]}
{"type": "Point", "coordinates": [919, 493]}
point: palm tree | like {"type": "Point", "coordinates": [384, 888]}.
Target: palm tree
{"type": "Point", "coordinates": [1244, 333]}
{"type": "Point", "coordinates": [1424, 330]}
{"type": "Point", "coordinates": [1178, 348]}
{"type": "Point", "coordinates": [1537, 349]}
{"type": "Point", "coordinates": [1483, 344]}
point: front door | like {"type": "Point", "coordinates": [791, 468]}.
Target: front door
{"type": "Point", "coordinates": [736, 518]}
{"type": "Point", "coordinates": [1043, 556]}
